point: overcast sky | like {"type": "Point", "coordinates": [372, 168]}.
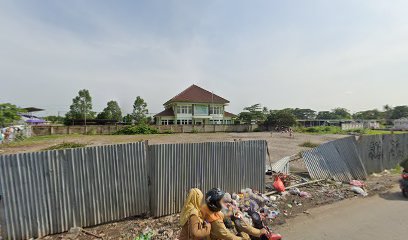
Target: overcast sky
{"type": "Point", "coordinates": [308, 54]}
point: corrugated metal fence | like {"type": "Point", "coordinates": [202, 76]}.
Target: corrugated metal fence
{"type": "Point", "coordinates": [337, 159]}
{"type": "Point", "coordinates": [346, 159]}
{"type": "Point", "coordinates": [176, 168]}
{"type": "Point", "coordinates": [283, 165]}
{"type": "Point", "coordinates": [380, 152]}
{"type": "Point", "coordinates": [49, 192]}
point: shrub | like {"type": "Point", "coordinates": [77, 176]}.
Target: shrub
{"type": "Point", "coordinates": [65, 145]}
{"type": "Point", "coordinates": [309, 144]}
{"type": "Point", "coordinates": [359, 131]}
{"type": "Point", "coordinates": [138, 129]}
{"type": "Point", "coordinates": [257, 130]}
{"type": "Point", "coordinates": [312, 130]}
{"type": "Point", "coordinates": [91, 132]}
{"type": "Point", "coordinates": [168, 131]}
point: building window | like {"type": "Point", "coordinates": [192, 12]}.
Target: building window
{"type": "Point", "coordinates": [167, 122]}
{"type": "Point", "coordinates": [216, 110]}
{"type": "Point", "coordinates": [184, 109]}
{"type": "Point", "coordinates": [200, 109]}
{"type": "Point", "coordinates": [216, 121]}
{"type": "Point", "coordinates": [184, 122]}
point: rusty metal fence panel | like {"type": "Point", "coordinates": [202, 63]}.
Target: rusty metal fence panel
{"type": "Point", "coordinates": [175, 168]}
{"type": "Point", "coordinates": [51, 191]}
{"type": "Point", "coordinates": [337, 159]}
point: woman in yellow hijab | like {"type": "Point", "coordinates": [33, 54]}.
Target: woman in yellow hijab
{"type": "Point", "coordinates": [191, 219]}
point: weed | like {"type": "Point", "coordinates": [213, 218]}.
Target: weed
{"type": "Point", "coordinates": [65, 145]}
{"type": "Point", "coordinates": [309, 144]}
{"type": "Point", "coordinates": [146, 236]}
{"type": "Point", "coordinates": [321, 130]}
{"type": "Point", "coordinates": [397, 170]}
{"type": "Point", "coordinates": [168, 132]}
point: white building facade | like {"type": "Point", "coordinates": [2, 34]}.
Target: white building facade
{"type": "Point", "coordinates": [195, 106]}
{"type": "Point", "coordinates": [401, 124]}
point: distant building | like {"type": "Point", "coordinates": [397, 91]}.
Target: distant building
{"type": "Point", "coordinates": [195, 106]}
{"type": "Point", "coordinates": [401, 124]}
{"type": "Point", "coordinates": [345, 124]}
{"type": "Point", "coordinates": [29, 118]}
{"type": "Point", "coordinates": [322, 122]}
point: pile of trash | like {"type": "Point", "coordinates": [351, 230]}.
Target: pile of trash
{"type": "Point", "coordinates": [275, 207]}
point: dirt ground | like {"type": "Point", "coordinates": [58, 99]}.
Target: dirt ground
{"type": "Point", "coordinates": [290, 207]}
{"type": "Point", "coordinates": [280, 145]}
{"type": "Point", "coordinates": [380, 217]}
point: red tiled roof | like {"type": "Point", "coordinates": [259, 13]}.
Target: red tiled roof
{"type": "Point", "coordinates": [197, 94]}
{"type": "Point", "coordinates": [166, 113]}
{"type": "Point", "coordinates": [228, 114]}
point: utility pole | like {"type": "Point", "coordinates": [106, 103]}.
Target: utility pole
{"type": "Point", "coordinates": [85, 111]}
{"type": "Point", "coordinates": [85, 116]}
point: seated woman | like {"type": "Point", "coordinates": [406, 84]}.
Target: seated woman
{"type": "Point", "coordinates": [191, 220]}
{"type": "Point", "coordinates": [212, 214]}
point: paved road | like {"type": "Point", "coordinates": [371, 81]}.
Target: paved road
{"type": "Point", "coordinates": [379, 217]}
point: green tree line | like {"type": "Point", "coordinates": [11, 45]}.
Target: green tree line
{"type": "Point", "coordinates": [287, 117]}
{"type": "Point", "coordinates": [81, 109]}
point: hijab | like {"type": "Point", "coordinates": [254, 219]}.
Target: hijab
{"type": "Point", "coordinates": [191, 206]}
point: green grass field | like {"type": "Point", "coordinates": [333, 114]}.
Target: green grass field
{"type": "Point", "coordinates": [338, 130]}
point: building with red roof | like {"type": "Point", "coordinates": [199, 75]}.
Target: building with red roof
{"type": "Point", "coordinates": [197, 106]}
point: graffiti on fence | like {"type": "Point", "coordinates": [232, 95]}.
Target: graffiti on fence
{"type": "Point", "coordinates": [375, 150]}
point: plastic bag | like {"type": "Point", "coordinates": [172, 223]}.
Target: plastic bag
{"type": "Point", "coordinates": [357, 183]}
{"type": "Point", "coordinates": [278, 184]}
{"type": "Point", "coordinates": [359, 190]}
{"type": "Point", "coordinates": [294, 191]}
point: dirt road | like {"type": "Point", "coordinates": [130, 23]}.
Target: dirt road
{"type": "Point", "coordinates": [280, 145]}
{"type": "Point", "coordinates": [378, 217]}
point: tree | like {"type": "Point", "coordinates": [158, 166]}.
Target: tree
{"type": "Point", "coordinates": [252, 113]}
{"type": "Point", "coordinates": [280, 118]}
{"type": "Point", "coordinates": [128, 119]}
{"type": "Point", "coordinates": [81, 106]}
{"type": "Point", "coordinates": [368, 115]}
{"type": "Point", "coordinates": [302, 113]}
{"type": "Point", "coordinates": [55, 119]}
{"type": "Point", "coordinates": [9, 113]}
{"type": "Point", "coordinates": [325, 115]}
{"type": "Point", "coordinates": [337, 113]}
{"type": "Point", "coordinates": [140, 110]}
{"type": "Point", "coordinates": [111, 112]}
{"type": "Point", "coordinates": [341, 113]}
{"type": "Point", "coordinates": [399, 112]}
